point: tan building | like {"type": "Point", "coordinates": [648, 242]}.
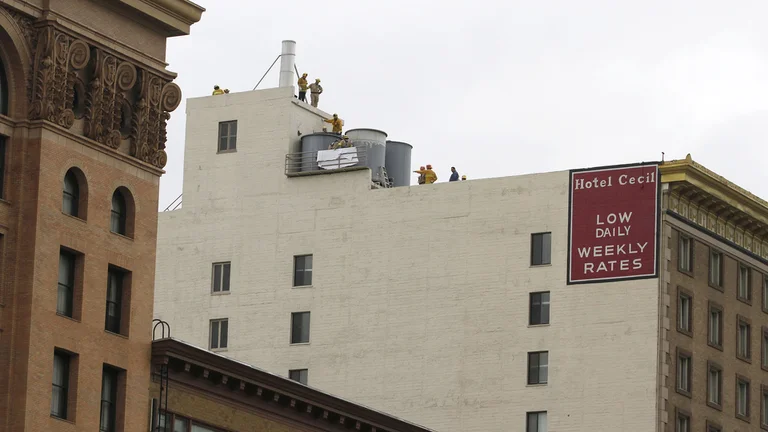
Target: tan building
{"type": "Point", "coordinates": [714, 346]}
{"type": "Point", "coordinates": [85, 99]}
{"type": "Point", "coordinates": [203, 391]}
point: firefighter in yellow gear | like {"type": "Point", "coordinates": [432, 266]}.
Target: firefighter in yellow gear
{"type": "Point", "coordinates": [429, 175]}
{"type": "Point", "coordinates": [336, 122]}
{"type": "Point", "coordinates": [463, 178]}
{"type": "Point", "coordinates": [342, 143]}
{"type": "Point", "coordinates": [217, 91]}
{"type": "Point", "coordinates": [303, 88]}
{"type": "Point", "coordinates": [315, 91]}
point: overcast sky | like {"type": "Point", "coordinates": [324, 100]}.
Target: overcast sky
{"type": "Point", "coordinates": [507, 87]}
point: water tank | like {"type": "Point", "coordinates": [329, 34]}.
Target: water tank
{"type": "Point", "coordinates": [375, 144]}
{"type": "Point", "coordinates": [398, 163]}
{"type": "Point", "coordinates": [310, 144]}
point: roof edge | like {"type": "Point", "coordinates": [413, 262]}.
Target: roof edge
{"type": "Point", "coordinates": [176, 16]}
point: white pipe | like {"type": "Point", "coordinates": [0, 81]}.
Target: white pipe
{"type": "Point", "coordinates": [287, 61]}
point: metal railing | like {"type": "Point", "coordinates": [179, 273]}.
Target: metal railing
{"type": "Point", "coordinates": [306, 162]}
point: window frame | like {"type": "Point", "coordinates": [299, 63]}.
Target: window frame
{"type": "Point", "coordinates": [532, 305]}
{"type": "Point", "coordinates": [745, 380]}
{"type": "Point", "coordinates": [712, 366]}
{"type": "Point", "coordinates": [764, 407]}
{"type": "Point", "coordinates": [61, 354]}
{"type": "Point", "coordinates": [69, 285]}
{"type": "Point", "coordinates": [543, 235]}
{"type": "Point", "coordinates": [303, 270]}
{"type": "Point", "coordinates": [225, 275]}
{"type": "Point", "coordinates": [308, 324]}
{"type": "Point", "coordinates": [219, 332]}
{"type": "Point", "coordinates": [305, 371]}
{"type": "Point", "coordinates": [683, 354]}
{"type": "Point", "coordinates": [713, 427]}
{"type": "Point", "coordinates": [231, 139]}
{"type": "Point", "coordinates": [764, 348]}
{"type": "Point", "coordinates": [718, 345]}
{"type": "Point", "coordinates": [114, 373]}
{"type": "Point", "coordinates": [528, 416]}
{"type": "Point", "coordinates": [71, 182]}
{"type": "Point", "coordinates": [719, 284]}
{"type": "Point", "coordinates": [683, 238]}
{"type": "Point", "coordinates": [680, 413]}
{"type": "Point", "coordinates": [683, 293]}
{"type": "Point", "coordinates": [537, 356]}
{"type": "Point", "coordinates": [118, 219]}
{"type": "Point", "coordinates": [748, 323]}
{"type": "Point", "coordinates": [120, 300]}
{"type": "Point", "coordinates": [3, 156]}
{"type": "Point", "coordinates": [764, 287]}
{"type": "Point", "coordinates": [748, 298]}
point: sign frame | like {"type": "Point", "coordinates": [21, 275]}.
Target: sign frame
{"type": "Point", "coordinates": [657, 251]}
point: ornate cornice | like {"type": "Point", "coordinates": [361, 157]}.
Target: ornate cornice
{"type": "Point", "coordinates": [711, 201]}
{"type": "Point", "coordinates": [177, 16]}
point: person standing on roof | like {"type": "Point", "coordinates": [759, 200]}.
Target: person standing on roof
{"type": "Point", "coordinates": [217, 91]}
{"type": "Point", "coordinates": [429, 175]}
{"type": "Point", "coordinates": [303, 88]}
{"type": "Point", "coordinates": [342, 143]}
{"type": "Point", "coordinates": [454, 175]}
{"type": "Point", "coordinates": [422, 177]}
{"type": "Point", "coordinates": [463, 178]}
{"type": "Point", "coordinates": [315, 91]}
{"type": "Point", "coordinates": [337, 124]}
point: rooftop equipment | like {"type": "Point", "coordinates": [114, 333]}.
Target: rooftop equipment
{"type": "Point", "coordinates": [375, 144]}
{"type": "Point", "coordinates": [287, 63]}
{"type": "Point", "coordinates": [398, 163]}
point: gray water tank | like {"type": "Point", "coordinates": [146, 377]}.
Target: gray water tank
{"type": "Point", "coordinates": [310, 145]}
{"type": "Point", "coordinates": [375, 143]}
{"type": "Point", "coordinates": [398, 163]}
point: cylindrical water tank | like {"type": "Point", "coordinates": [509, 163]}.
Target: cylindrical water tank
{"type": "Point", "coordinates": [310, 145]}
{"type": "Point", "coordinates": [398, 163]}
{"type": "Point", "coordinates": [375, 143]}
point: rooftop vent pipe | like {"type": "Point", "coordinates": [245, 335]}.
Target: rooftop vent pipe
{"type": "Point", "coordinates": [287, 62]}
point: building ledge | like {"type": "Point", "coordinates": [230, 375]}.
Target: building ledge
{"type": "Point", "coordinates": [324, 172]}
{"type": "Point", "coordinates": [176, 16]}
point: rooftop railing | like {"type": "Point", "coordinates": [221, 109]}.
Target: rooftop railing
{"type": "Point", "coordinates": [306, 163]}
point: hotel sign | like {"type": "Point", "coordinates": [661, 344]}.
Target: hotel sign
{"type": "Point", "coordinates": [613, 226]}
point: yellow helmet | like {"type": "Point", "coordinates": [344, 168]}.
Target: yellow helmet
{"type": "Point", "coordinates": [335, 115]}
{"type": "Point", "coordinates": [345, 137]}
{"type": "Point", "coordinates": [216, 87]}
{"type": "Point", "coordinates": [303, 75]}
{"type": "Point", "coordinates": [317, 79]}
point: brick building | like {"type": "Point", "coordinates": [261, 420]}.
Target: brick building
{"type": "Point", "coordinates": [461, 305]}
{"type": "Point", "coordinates": [85, 99]}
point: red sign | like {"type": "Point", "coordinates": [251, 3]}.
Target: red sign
{"type": "Point", "coordinates": [613, 224]}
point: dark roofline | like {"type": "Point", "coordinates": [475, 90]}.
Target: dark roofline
{"type": "Point", "coordinates": [173, 348]}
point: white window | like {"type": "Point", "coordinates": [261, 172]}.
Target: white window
{"type": "Point", "coordinates": [742, 398]}
{"type": "Point", "coordinates": [764, 408]}
{"type": "Point", "coordinates": [685, 254]}
{"type": "Point", "coordinates": [221, 277]}
{"type": "Point", "coordinates": [299, 375]}
{"type": "Point", "coordinates": [744, 288]}
{"type": "Point", "coordinates": [683, 423]}
{"type": "Point", "coordinates": [715, 326]}
{"type": "Point", "coordinates": [536, 422]}
{"type": "Point", "coordinates": [299, 327]}
{"type": "Point", "coordinates": [684, 312]}
{"type": "Point", "coordinates": [715, 268]}
{"type": "Point", "coordinates": [219, 334]}
{"type": "Point", "coordinates": [765, 293]}
{"type": "Point", "coordinates": [713, 385]}
{"type": "Point", "coordinates": [684, 373]}
{"type": "Point", "coordinates": [764, 357]}
{"type": "Point", "coordinates": [743, 340]}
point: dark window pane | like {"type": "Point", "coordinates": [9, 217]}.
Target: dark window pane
{"type": "Point", "coordinates": [66, 284]}
{"type": "Point", "coordinates": [546, 248]}
{"type": "Point", "coordinates": [541, 253]}
{"type": "Point", "coordinates": [108, 399]}
{"type": "Point", "coordinates": [300, 327]}
{"type": "Point", "coordinates": [114, 301]}
{"type": "Point", "coordinates": [233, 128]}
{"type": "Point", "coordinates": [3, 95]}
{"type": "Point", "coordinates": [224, 334]}
{"type": "Point", "coordinates": [223, 128]}
{"type": "Point", "coordinates": [117, 222]}
{"type": "Point", "coordinates": [232, 143]}
{"type": "Point", "coordinates": [216, 278]}
{"type": "Point", "coordinates": [71, 194]}
{"type": "Point", "coordinates": [299, 375]}
{"type": "Point", "coordinates": [214, 334]}
{"type": "Point", "coordinates": [222, 143]}
{"type": "Point", "coordinates": [225, 285]}
{"type": "Point", "coordinates": [60, 385]}
{"type": "Point", "coordinates": [533, 368]}
{"type": "Point", "coordinates": [2, 160]}
{"type": "Point", "coordinates": [532, 422]}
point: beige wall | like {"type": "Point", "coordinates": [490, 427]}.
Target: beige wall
{"type": "Point", "coordinates": [420, 295]}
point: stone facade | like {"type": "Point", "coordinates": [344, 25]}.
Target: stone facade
{"type": "Point", "coordinates": [80, 99]}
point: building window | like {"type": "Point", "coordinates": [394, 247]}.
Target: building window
{"type": "Point", "coordinates": [684, 372]}
{"type": "Point", "coordinates": [743, 339]}
{"type": "Point", "coordinates": [712, 427]}
{"type": "Point", "coordinates": [299, 327]}
{"type": "Point", "coordinates": [299, 375]}
{"type": "Point", "coordinates": [227, 136]}
{"type": "Point", "coordinates": [219, 334]}
{"type": "Point", "coordinates": [744, 289]}
{"type": "Point", "coordinates": [66, 292]}
{"type": "Point", "coordinates": [684, 312]}
{"type": "Point", "coordinates": [764, 407]}
{"type": "Point", "coordinates": [538, 367]}
{"type": "Point", "coordinates": [764, 350]}
{"type": "Point", "coordinates": [74, 199]}
{"type": "Point", "coordinates": [715, 386]}
{"type": "Point", "coordinates": [715, 269]}
{"type": "Point", "coordinates": [685, 254]}
{"type": "Point", "coordinates": [715, 331]}
{"type": "Point", "coordinates": [765, 294]}
{"type": "Point", "coordinates": [536, 421]}
{"type": "Point", "coordinates": [221, 277]}
{"type": "Point", "coordinates": [539, 308]}
{"type": "Point", "coordinates": [2, 166]}
{"type": "Point", "coordinates": [108, 399]}
{"type": "Point", "coordinates": [119, 213]}
{"type": "Point", "coordinates": [60, 396]}
{"type": "Point", "coordinates": [683, 423]}
{"type": "Point", "coordinates": [3, 91]}
{"type": "Point", "coordinates": [742, 398]}
{"type": "Point", "coordinates": [541, 249]}
{"type": "Point", "coordinates": [115, 285]}
{"type": "Point", "coordinates": [302, 270]}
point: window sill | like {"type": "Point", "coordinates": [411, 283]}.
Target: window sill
{"type": "Point", "coordinates": [764, 427]}
{"type": "Point", "coordinates": [68, 317]}
{"type": "Point", "coordinates": [683, 392]}
{"type": "Point", "coordinates": [688, 273]}
{"type": "Point", "coordinates": [743, 418]}
{"type": "Point", "coordinates": [744, 359]}
{"type": "Point", "coordinates": [744, 300]}
{"type": "Point", "coordinates": [121, 235]}
{"type": "Point", "coordinates": [685, 332]}
{"type": "Point", "coordinates": [218, 350]}
{"type": "Point", "coordinates": [5, 202]}
{"type": "Point", "coordinates": [717, 347]}
{"type": "Point", "coordinates": [62, 419]}
{"type": "Point", "coordinates": [714, 406]}
{"type": "Point", "coordinates": [226, 151]}
{"type": "Point", "coordinates": [115, 334]}
{"type": "Point", "coordinates": [764, 367]}
{"type": "Point", "coordinates": [538, 325]}
{"type": "Point", "coordinates": [219, 293]}
{"type": "Point", "coordinates": [717, 287]}
{"type": "Point", "coordinates": [537, 385]}
{"type": "Point", "coordinates": [302, 286]}
{"type": "Point", "coordinates": [73, 217]}
{"type": "Point", "coordinates": [540, 265]}
{"type": "Point", "coordinates": [299, 343]}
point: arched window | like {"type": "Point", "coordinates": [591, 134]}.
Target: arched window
{"type": "Point", "coordinates": [119, 213]}
{"type": "Point", "coordinates": [3, 89]}
{"type": "Point", "coordinates": [71, 201]}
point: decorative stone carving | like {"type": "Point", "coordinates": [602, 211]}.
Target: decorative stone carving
{"type": "Point", "coordinates": [103, 107]}
{"type": "Point", "coordinates": [58, 57]}
{"type": "Point", "coordinates": [150, 118]}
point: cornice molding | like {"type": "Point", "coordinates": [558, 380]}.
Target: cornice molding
{"type": "Point", "coordinates": [177, 16]}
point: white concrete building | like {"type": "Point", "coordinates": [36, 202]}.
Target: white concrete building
{"type": "Point", "coordinates": [419, 297]}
